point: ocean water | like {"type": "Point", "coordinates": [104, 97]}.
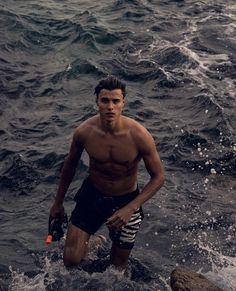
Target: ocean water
{"type": "Point", "coordinates": [178, 59]}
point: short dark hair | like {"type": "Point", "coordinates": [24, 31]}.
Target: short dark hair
{"type": "Point", "coordinates": [110, 83]}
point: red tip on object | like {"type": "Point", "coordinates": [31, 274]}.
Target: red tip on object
{"type": "Point", "coordinates": [49, 239]}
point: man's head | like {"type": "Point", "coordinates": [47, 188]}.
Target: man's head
{"type": "Point", "coordinates": [110, 83]}
{"type": "Point", "coordinates": [110, 99]}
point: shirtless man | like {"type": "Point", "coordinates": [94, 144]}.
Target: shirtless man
{"type": "Point", "coordinates": [115, 145]}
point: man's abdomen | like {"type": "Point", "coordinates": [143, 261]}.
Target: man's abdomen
{"type": "Point", "coordinates": [114, 182]}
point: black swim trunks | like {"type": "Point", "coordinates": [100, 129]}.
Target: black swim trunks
{"type": "Point", "coordinates": [93, 209]}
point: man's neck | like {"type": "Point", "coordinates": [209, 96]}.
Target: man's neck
{"type": "Point", "coordinates": [111, 127]}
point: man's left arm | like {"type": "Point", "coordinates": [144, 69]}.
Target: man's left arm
{"type": "Point", "coordinates": [154, 167]}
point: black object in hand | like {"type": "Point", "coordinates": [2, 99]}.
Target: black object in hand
{"type": "Point", "coordinates": [56, 227]}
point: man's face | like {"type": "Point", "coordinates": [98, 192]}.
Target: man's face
{"type": "Point", "coordinates": [110, 104]}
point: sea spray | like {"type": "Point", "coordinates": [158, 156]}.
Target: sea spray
{"type": "Point", "coordinates": [223, 271]}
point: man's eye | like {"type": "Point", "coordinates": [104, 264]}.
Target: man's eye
{"type": "Point", "coordinates": [116, 101]}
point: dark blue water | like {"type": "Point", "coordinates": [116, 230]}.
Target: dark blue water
{"type": "Point", "coordinates": [178, 59]}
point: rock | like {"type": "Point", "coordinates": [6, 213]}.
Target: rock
{"type": "Point", "coordinates": [183, 279]}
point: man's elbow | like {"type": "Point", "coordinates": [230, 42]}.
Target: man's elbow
{"type": "Point", "coordinates": [163, 179]}
{"type": "Point", "coordinates": [70, 163]}
{"type": "Point", "coordinates": [160, 179]}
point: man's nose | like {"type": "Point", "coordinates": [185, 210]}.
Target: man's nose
{"type": "Point", "coordinates": [110, 105]}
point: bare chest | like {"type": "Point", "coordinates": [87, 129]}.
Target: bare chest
{"type": "Point", "coordinates": [119, 150]}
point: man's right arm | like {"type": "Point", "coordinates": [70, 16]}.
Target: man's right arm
{"type": "Point", "coordinates": [68, 172]}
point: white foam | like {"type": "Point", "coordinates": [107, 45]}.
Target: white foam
{"type": "Point", "coordinates": [20, 281]}
{"type": "Point", "coordinates": [223, 272]}
{"type": "Point", "coordinates": [203, 60]}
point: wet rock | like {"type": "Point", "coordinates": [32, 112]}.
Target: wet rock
{"type": "Point", "coordinates": [186, 280]}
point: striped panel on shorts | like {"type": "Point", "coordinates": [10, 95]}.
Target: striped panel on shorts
{"type": "Point", "coordinates": [125, 238]}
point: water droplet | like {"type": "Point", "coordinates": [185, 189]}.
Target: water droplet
{"type": "Point", "coordinates": [213, 171]}
{"type": "Point", "coordinates": [68, 68]}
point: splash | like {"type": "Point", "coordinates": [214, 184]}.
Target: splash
{"type": "Point", "coordinates": [21, 281]}
{"type": "Point", "coordinates": [223, 272]}
{"type": "Point", "coordinates": [92, 274]}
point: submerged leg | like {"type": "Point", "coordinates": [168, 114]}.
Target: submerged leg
{"type": "Point", "coordinates": [76, 246]}
{"type": "Point", "coordinates": [119, 257]}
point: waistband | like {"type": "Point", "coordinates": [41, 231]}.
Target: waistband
{"type": "Point", "coordinates": [88, 183]}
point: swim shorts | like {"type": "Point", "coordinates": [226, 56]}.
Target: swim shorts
{"type": "Point", "coordinates": [93, 209]}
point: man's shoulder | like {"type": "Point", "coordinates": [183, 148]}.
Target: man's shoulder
{"type": "Point", "coordinates": [135, 127]}
{"type": "Point", "coordinates": [86, 126]}
{"type": "Point", "coordinates": [88, 123]}
{"type": "Point", "coordinates": [140, 135]}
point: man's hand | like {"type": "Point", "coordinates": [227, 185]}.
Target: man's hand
{"type": "Point", "coordinates": [57, 209]}
{"type": "Point", "coordinates": [120, 218]}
